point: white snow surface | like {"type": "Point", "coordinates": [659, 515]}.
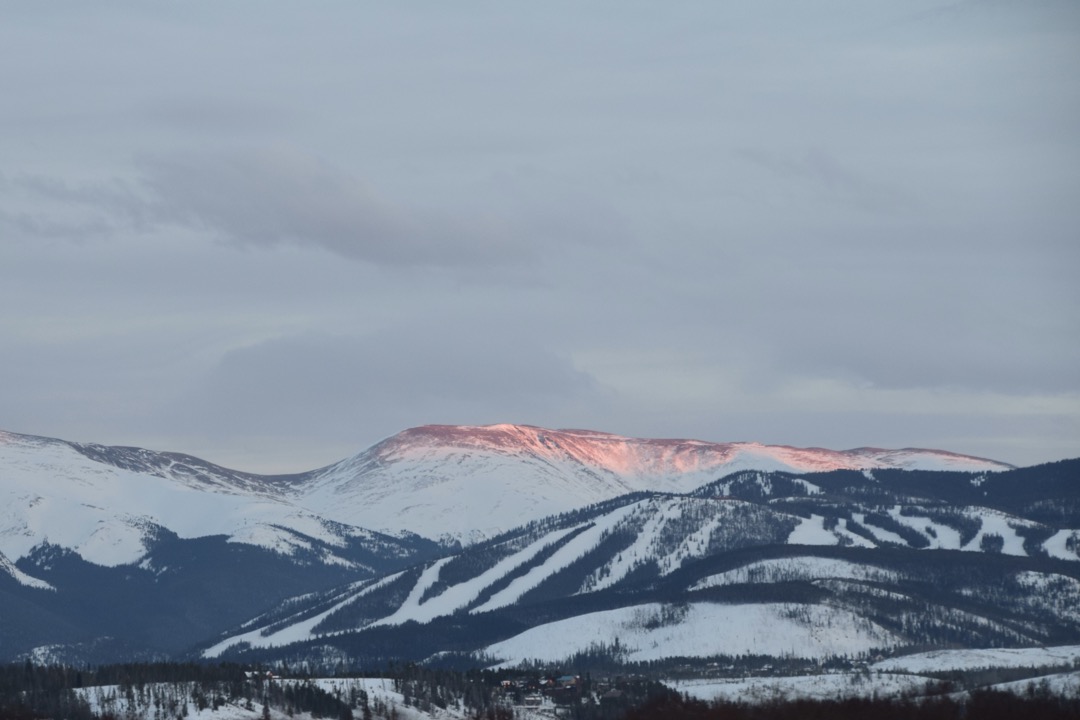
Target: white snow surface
{"type": "Point", "coordinates": [826, 686]}
{"type": "Point", "coordinates": [975, 659]}
{"type": "Point", "coordinates": [111, 699]}
{"type": "Point", "coordinates": [8, 568]}
{"type": "Point", "coordinates": [999, 523]}
{"type": "Point", "coordinates": [1067, 684]}
{"type": "Point", "coordinates": [568, 553]}
{"type": "Point", "coordinates": [462, 594]}
{"type": "Point", "coordinates": [1056, 545]}
{"type": "Point", "coordinates": [1057, 594]}
{"type": "Point", "coordinates": [811, 531]}
{"type": "Point", "coordinates": [302, 629]}
{"type": "Point", "coordinates": [453, 482]}
{"type": "Point", "coordinates": [383, 689]}
{"type": "Point", "coordinates": [793, 569]}
{"type": "Point", "coordinates": [49, 492]}
{"type": "Point", "coordinates": [651, 631]}
{"type": "Point", "coordinates": [939, 537]}
{"type": "Point", "coordinates": [470, 482]}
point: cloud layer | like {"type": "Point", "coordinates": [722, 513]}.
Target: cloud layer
{"type": "Point", "coordinates": [837, 224]}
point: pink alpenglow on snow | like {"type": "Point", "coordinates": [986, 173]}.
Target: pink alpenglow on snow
{"type": "Point", "coordinates": [468, 482]}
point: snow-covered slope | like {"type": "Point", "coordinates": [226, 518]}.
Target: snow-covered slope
{"type": "Point", "coordinates": [974, 659]}
{"type": "Point", "coordinates": [8, 568]}
{"type": "Point", "coordinates": [820, 686]}
{"type": "Point", "coordinates": [600, 548]}
{"type": "Point", "coordinates": [109, 504]}
{"type": "Point", "coordinates": [445, 482]}
{"type": "Point", "coordinates": [562, 524]}
{"type": "Point", "coordinates": [471, 482]}
{"type": "Point", "coordinates": [801, 547]}
{"type": "Point", "coordinates": [653, 632]}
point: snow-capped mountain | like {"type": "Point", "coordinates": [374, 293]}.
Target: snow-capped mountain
{"type": "Point", "coordinates": [110, 504]}
{"type": "Point", "coordinates": [471, 482]}
{"type": "Point", "coordinates": [801, 565]}
{"type": "Point", "coordinates": [109, 553]}
{"type": "Point", "coordinates": [113, 552]}
{"type": "Point", "coordinates": [441, 482]}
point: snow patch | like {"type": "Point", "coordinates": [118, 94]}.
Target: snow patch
{"type": "Point", "coordinates": [826, 686]}
{"type": "Point", "coordinates": [976, 659]}
{"type": "Point", "coordinates": [811, 531]}
{"type": "Point", "coordinates": [806, 568]}
{"type": "Point", "coordinates": [1001, 524]}
{"type": "Point", "coordinates": [7, 567]}
{"type": "Point", "coordinates": [654, 631]}
{"type": "Point", "coordinates": [1057, 546]}
{"type": "Point", "coordinates": [301, 630]}
{"type": "Point", "coordinates": [568, 553]}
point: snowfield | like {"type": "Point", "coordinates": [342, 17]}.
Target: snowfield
{"type": "Point", "coordinates": [450, 482]}
{"type": "Point", "coordinates": [568, 553]}
{"type": "Point", "coordinates": [797, 569]}
{"type": "Point", "coordinates": [908, 675]}
{"type": "Point", "coordinates": [941, 660]}
{"type": "Point", "coordinates": [380, 691]}
{"type": "Point", "coordinates": [300, 630]}
{"type": "Point", "coordinates": [1067, 684]}
{"type": "Point", "coordinates": [654, 631]}
{"type": "Point", "coordinates": [8, 568]}
{"type": "Point", "coordinates": [49, 492]}
{"type": "Point", "coordinates": [830, 686]}
{"type": "Point", "coordinates": [471, 482]}
{"type": "Point", "coordinates": [811, 531]}
{"type": "Point", "coordinates": [111, 699]}
{"type": "Point", "coordinates": [825, 686]}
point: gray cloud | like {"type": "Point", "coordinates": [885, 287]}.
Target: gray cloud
{"type": "Point", "coordinates": [836, 223]}
{"type": "Point", "coordinates": [828, 178]}
{"type": "Point", "coordinates": [350, 390]}
{"type": "Point", "coordinates": [268, 198]}
{"type": "Point", "coordinates": [81, 210]}
{"type": "Point", "coordinates": [263, 199]}
{"type": "Point", "coordinates": [38, 225]}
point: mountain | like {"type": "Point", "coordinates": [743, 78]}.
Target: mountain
{"type": "Point", "coordinates": [441, 482]}
{"type": "Point", "coordinates": [468, 482]}
{"type": "Point", "coordinates": [803, 566]}
{"type": "Point", "coordinates": [114, 553]}
{"type": "Point", "coordinates": [110, 505]}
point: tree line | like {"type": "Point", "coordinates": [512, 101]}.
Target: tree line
{"type": "Point", "coordinates": [979, 705]}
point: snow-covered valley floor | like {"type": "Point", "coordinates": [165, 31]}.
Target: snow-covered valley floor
{"type": "Point", "coordinates": [1051, 669]}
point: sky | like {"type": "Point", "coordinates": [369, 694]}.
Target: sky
{"type": "Point", "coordinates": [271, 234]}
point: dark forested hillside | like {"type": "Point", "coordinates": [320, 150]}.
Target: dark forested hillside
{"type": "Point", "coordinates": [920, 559]}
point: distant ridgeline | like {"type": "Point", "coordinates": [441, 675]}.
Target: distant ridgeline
{"type": "Point", "coordinates": [148, 557]}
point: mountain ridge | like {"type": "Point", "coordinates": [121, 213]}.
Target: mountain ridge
{"type": "Point", "coordinates": [452, 483]}
{"type": "Point", "coordinates": [112, 553]}
{"type": "Point", "coordinates": [471, 474]}
{"type": "Point", "coordinates": [841, 562]}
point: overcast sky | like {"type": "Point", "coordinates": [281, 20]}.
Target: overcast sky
{"type": "Point", "coordinates": [270, 234]}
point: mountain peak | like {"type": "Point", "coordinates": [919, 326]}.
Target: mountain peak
{"type": "Point", "coordinates": [471, 481]}
{"type": "Point", "coordinates": [621, 454]}
{"type": "Point", "coordinates": [461, 482]}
